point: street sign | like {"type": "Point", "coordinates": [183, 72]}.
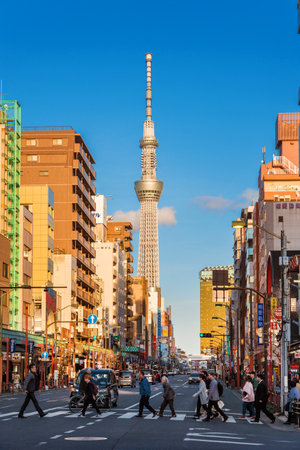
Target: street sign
{"type": "Point", "coordinates": [116, 338]}
{"type": "Point", "coordinates": [284, 260]}
{"type": "Point", "coordinates": [45, 355]}
{"type": "Point", "coordinates": [277, 314]}
{"type": "Point", "coordinates": [90, 325]}
{"type": "Point", "coordinates": [92, 318]}
{"type": "Point", "coordinates": [260, 315]}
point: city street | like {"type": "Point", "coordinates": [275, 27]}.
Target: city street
{"type": "Point", "coordinates": [120, 429]}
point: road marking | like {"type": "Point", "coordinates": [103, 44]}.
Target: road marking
{"type": "Point", "coordinates": [98, 420]}
{"type": "Point", "coordinates": [5, 420]}
{"type": "Point", "coordinates": [255, 423]}
{"type": "Point", "coordinates": [128, 415]}
{"type": "Point", "coordinates": [152, 396]}
{"type": "Point", "coordinates": [42, 443]}
{"type": "Point", "coordinates": [56, 436]}
{"type": "Point", "coordinates": [79, 428]}
{"type": "Point", "coordinates": [150, 416]}
{"type": "Point", "coordinates": [231, 419]}
{"type": "Point", "coordinates": [106, 414]}
{"type": "Point", "coordinates": [90, 423]}
{"type": "Point", "coordinates": [223, 442]}
{"type": "Point", "coordinates": [86, 438]}
{"type": "Point", "coordinates": [9, 414]}
{"type": "Point", "coordinates": [69, 431]}
{"type": "Point", "coordinates": [215, 435]}
{"type": "Point", "coordinates": [178, 417]}
{"type": "Point", "coordinates": [58, 413]}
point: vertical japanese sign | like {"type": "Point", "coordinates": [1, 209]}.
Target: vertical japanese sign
{"type": "Point", "coordinates": [260, 315]}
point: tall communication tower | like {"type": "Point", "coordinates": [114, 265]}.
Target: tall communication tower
{"type": "Point", "coordinates": [149, 189]}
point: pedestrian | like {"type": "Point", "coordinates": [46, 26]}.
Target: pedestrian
{"type": "Point", "coordinates": [202, 396]}
{"type": "Point", "coordinates": [31, 385]}
{"type": "Point", "coordinates": [168, 397]}
{"type": "Point", "coordinates": [293, 396]}
{"type": "Point", "coordinates": [254, 380]}
{"type": "Point", "coordinates": [90, 395]}
{"type": "Point", "coordinates": [213, 398]}
{"type": "Point", "coordinates": [145, 392]}
{"type": "Point", "coordinates": [248, 398]}
{"type": "Point", "coordinates": [261, 399]}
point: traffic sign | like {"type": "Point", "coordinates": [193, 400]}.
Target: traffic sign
{"type": "Point", "coordinates": [92, 318]}
{"type": "Point", "coordinates": [277, 314]}
{"type": "Point", "coordinates": [90, 325]}
{"type": "Point", "coordinates": [45, 355]}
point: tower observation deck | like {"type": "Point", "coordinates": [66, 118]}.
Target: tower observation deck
{"type": "Point", "coordinates": [148, 190]}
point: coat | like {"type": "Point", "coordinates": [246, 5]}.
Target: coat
{"type": "Point", "coordinates": [30, 382]}
{"type": "Point", "coordinates": [293, 395]}
{"type": "Point", "coordinates": [248, 388]}
{"type": "Point", "coordinates": [145, 387]}
{"type": "Point", "coordinates": [169, 393]}
{"type": "Point", "coordinates": [213, 390]}
{"type": "Point", "coordinates": [261, 394]}
{"type": "Point", "coordinates": [202, 393]}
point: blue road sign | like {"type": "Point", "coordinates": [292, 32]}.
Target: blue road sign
{"type": "Point", "coordinates": [92, 319]}
{"type": "Point", "coordinates": [45, 355]}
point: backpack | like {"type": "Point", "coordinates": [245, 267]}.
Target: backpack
{"type": "Point", "coordinates": [95, 388]}
{"type": "Point", "coordinates": [220, 388]}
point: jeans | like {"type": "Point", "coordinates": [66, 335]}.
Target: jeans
{"type": "Point", "coordinates": [166, 402]}
{"type": "Point", "coordinates": [214, 403]}
{"type": "Point", "coordinates": [144, 401]}
{"type": "Point", "coordinates": [30, 396]}
{"type": "Point", "coordinates": [250, 407]}
{"type": "Point", "coordinates": [86, 403]}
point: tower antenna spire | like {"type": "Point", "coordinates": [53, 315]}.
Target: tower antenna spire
{"type": "Point", "coordinates": [148, 88]}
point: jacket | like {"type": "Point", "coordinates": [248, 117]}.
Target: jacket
{"type": "Point", "coordinates": [145, 387]}
{"type": "Point", "coordinates": [202, 393]}
{"type": "Point", "coordinates": [261, 394]}
{"type": "Point", "coordinates": [248, 389]}
{"type": "Point", "coordinates": [293, 395]}
{"type": "Point", "coordinates": [213, 390]}
{"type": "Point", "coordinates": [169, 393]}
{"type": "Point", "coordinates": [29, 384]}
{"type": "Point", "coordinates": [255, 383]}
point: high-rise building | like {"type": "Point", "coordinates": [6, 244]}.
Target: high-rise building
{"type": "Point", "coordinates": [10, 145]}
{"type": "Point", "coordinates": [61, 159]}
{"type": "Point", "coordinates": [148, 190]}
{"type": "Point", "coordinates": [120, 232]}
{"type": "Point", "coordinates": [140, 309]}
{"type": "Point", "coordinates": [213, 305]}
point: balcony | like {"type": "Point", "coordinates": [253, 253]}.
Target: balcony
{"type": "Point", "coordinates": [130, 269]}
{"type": "Point", "coordinates": [129, 301]}
{"type": "Point", "coordinates": [128, 246]}
{"type": "Point", "coordinates": [129, 258]}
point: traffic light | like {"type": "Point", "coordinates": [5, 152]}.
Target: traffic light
{"type": "Point", "coordinates": [205, 335]}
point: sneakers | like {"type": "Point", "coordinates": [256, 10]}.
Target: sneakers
{"type": "Point", "coordinates": [243, 417]}
{"type": "Point", "coordinates": [196, 417]}
{"type": "Point", "coordinates": [254, 420]}
{"type": "Point", "coordinates": [139, 415]}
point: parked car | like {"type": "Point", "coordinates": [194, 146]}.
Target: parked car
{"type": "Point", "coordinates": [149, 375]}
{"type": "Point", "coordinates": [194, 378]}
{"type": "Point", "coordinates": [127, 378]}
{"type": "Point", "coordinates": [106, 383]}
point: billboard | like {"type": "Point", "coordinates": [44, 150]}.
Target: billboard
{"type": "Point", "coordinates": [164, 332]}
{"type": "Point", "coordinates": [101, 209]}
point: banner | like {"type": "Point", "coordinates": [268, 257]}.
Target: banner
{"type": "Point", "coordinates": [260, 315]}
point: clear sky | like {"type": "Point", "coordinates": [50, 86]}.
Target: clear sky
{"type": "Point", "coordinates": [221, 72]}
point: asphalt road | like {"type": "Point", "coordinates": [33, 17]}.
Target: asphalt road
{"type": "Point", "coordinates": [120, 429]}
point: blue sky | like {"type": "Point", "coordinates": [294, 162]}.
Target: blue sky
{"type": "Point", "coordinates": [221, 72]}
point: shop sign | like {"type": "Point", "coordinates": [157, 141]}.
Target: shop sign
{"type": "Point", "coordinates": [12, 346]}
{"type": "Point", "coordinates": [277, 314]}
{"type": "Point", "coordinates": [260, 315]}
{"type": "Point", "coordinates": [294, 368]}
{"type": "Point", "coordinates": [274, 325]}
{"type": "Point", "coordinates": [4, 356]}
{"type": "Point", "coordinates": [30, 347]}
{"type": "Point", "coordinates": [273, 303]}
{"type": "Point", "coordinates": [297, 355]}
{"type": "Point", "coordinates": [16, 356]}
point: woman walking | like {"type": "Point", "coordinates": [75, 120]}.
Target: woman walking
{"type": "Point", "coordinates": [248, 398]}
{"type": "Point", "coordinates": [168, 397]}
{"type": "Point", "coordinates": [202, 396]}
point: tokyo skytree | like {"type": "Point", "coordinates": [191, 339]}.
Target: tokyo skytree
{"type": "Point", "coordinates": [148, 190]}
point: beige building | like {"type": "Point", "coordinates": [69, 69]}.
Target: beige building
{"type": "Point", "coordinates": [39, 199]}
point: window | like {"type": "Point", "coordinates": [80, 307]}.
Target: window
{"type": "Point", "coordinates": [5, 270]}
{"type": "Point", "coordinates": [27, 253]}
{"type": "Point", "coordinates": [26, 280]}
{"type": "Point", "coordinates": [30, 141]}
{"type": "Point", "coordinates": [27, 225]}
{"type": "Point", "coordinates": [44, 173]}
{"type": "Point", "coordinates": [33, 158]}
{"type": "Point", "coordinates": [57, 141]}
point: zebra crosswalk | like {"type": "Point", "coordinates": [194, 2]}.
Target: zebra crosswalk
{"type": "Point", "coordinates": [63, 412]}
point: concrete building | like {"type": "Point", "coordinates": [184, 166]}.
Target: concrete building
{"type": "Point", "coordinates": [212, 305]}
{"type": "Point", "coordinates": [111, 267]}
{"type": "Point", "coordinates": [141, 327]}
{"type": "Point", "coordinates": [101, 217]}
{"type": "Point", "coordinates": [61, 159]}
{"type": "Point", "coordinates": [39, 199]}
{"type": "Point", "coordinates": [26, 271]}
{"type": "Point", "coordinates": [4, 295]}
{"type": "Point", "coordinates": [120, 232]}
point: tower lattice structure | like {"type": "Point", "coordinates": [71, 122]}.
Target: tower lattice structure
{"type": "Point", "coordinates": [148, 190]}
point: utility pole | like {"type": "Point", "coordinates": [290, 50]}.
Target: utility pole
{"type": "Point", "coordinates": [285, 323]}
{"type": "Point", "coordinates": [251, 333]}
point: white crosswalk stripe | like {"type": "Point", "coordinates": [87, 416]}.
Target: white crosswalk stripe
{"type": "Point", "coordinates": [178, 417]}
{"type": "Point", "coordinates": [128, 415]}
{"type": "Point", "coordinates": [231, 419]}
{"type": "Point", "coordinates": [150, 416]}
{"type": "Point", "coordinates": [253, 423]}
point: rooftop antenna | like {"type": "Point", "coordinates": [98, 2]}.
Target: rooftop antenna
{"type": "Point", "coordinates": [148, 88]}
{"type": "Point", "coordinates": [264, 155]}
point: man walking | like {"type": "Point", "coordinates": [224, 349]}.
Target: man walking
{"type": "Point", "coordinates": [213, 398]}
{"type": "Point", "coordinates": [168, 398]}
{"type": "Point", "coordinates": [90, 391]}
{"type": "Point", "coordinates": [261, 398]}
{"type": "Point", "coordinates": [31, 385]}
{"type": "Point", "coordinates": [254, 380]}
{"type": "Point", "coordinates": [145, 393]}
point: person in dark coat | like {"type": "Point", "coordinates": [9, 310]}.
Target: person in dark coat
{"type": "Point", "coordinates": [30, 386]}
{"type": "Point", "coordinates": [213, 398]}
{"type": "Point", "coordinates": [145, 392]}
{"type": "Point", "coordinates": [90, 396]}
{"type": "Point", "coordinates": [261, 399]}
{"type": "Point", "coordinates": [168, 398]}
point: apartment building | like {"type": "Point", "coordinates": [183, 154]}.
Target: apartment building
{"type": "Point", "coordinates": [61, 159]}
